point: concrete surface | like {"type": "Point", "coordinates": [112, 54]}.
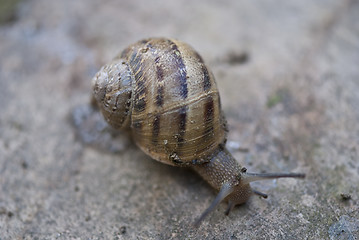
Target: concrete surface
{"type": "Point", "coordinates": [289, 81]}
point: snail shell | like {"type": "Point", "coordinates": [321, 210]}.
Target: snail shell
{"type": "Point", "coordinates": [161, 91]}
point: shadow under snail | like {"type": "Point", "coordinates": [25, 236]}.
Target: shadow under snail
{"type": "Point", "coordinates": [161, 92]}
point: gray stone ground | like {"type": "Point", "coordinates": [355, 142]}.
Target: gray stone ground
{"type": "Point", "coordinates": [289, 80]}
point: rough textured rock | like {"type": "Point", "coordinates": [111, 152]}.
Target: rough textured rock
{"type": "Point", "coordinates": [289, 81]}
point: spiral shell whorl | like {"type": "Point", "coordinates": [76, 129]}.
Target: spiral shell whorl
{"type": "Point", "coordinates": [112, 89]}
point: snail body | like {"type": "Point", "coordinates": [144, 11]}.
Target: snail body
{"type": "Point", "coordinates": [161, 91]}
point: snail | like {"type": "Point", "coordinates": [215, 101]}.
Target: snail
{"type": "Point", "coordinates": [162, 93]}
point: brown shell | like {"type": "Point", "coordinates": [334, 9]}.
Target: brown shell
{"type": "Point", "coordinates": [176, 115]}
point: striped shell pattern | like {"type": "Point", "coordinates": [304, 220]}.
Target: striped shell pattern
{"type": "Point", "coordinates": [163, 92]}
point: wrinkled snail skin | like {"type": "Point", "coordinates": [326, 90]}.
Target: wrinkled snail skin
{"type": "Point", "coordinates": [163, 93]}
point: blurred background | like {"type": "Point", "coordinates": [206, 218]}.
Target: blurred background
{"type": "Point", "coordinates": [288, 76]}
